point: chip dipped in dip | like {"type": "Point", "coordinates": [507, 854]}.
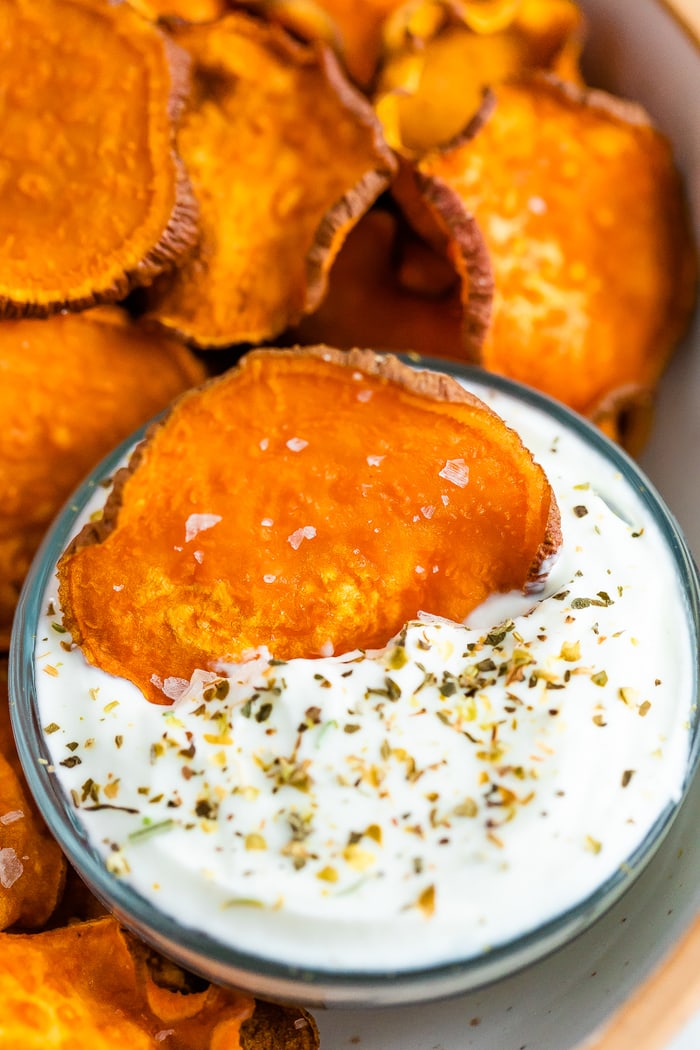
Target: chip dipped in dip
{"type": "Point", "coordinates": [418, 803]}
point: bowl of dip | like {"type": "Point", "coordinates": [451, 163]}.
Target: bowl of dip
{"type": "Point", "coordinates": [532, 763]}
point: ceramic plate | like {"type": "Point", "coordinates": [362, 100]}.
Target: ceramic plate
{"type": "Point", "coordinates": [638, 49]}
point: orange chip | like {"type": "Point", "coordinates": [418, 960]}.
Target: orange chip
{"type": "Point", "coordinates": [190, 10]}
{"type": "Point", "coordinates": [432, 82]}
{"type": "Point", "coordinates": [353, 27]}
{"type": "Point", "coordinates": [93, 987]}
{"type": "Point", "coordinates": [582, 212]}
{"type": "Point", "coordinates": [73, 386]}
{"type": "Point", "coordinates": [32, 867]}
{"type": "Point", "coordinates": [277, 508]}
{"type": "Point", "coordinates": [369, 304]}
{"type": "Point", "coordinates": [94, 200]}
{"type": "Point", "coordinates": [390, 288]}
{"type": "Point", "coordinates": [284, 156]}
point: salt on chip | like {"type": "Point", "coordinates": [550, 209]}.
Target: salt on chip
{"type": "Point", "coordinates": [341, 563]}
{"type": "Point", "coordinates": [583, 214]}
{"type": "Point", "coordinates": [285, 156]}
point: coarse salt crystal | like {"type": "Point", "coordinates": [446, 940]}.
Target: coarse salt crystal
{"type": "Point", "coordinates": [267, 522]}
{"type": "Point", "coordinates": [269, 578]}
{"type": "Point", "coordinates": [175, 687]}
{"type": "Point", "coordinates": [364, 395]}
{"type": "Point", "coordinates": [427, 512]}
{"type": "Point", "coordinates": [12, 816]}
{"type": "Point", "coordinates": [157, 681]}
{"type": "Point", "coordinates": [197, 523]}
{"type": "Point", "coordinates": [296, 444]}
{"type": "Point", "coordinates": [456, 471]}
{"type": "Point", "coordinates": [11, 867]}
{"type": "Point", "coordinates": [199, 556]}
{"type": "Point", "coordinates": [445, 500]}
{"type": "Point", "coordinates": [265, 444]}
{"type": "Point", "coordinates": [374, 461]}
{"type": "Point", "coordinates": [299, 535]}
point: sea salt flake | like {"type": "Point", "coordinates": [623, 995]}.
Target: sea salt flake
{"type": "Point", "coordinates": [11, 816]}
{"type": "Point", "coordinates": [269, 577]}
{"type": "Point", "coordinates": [427, 512]}
{"type": "Point", "coordinates": [118, 587]}
{"type": "Point", "coordinates": [445, 500]}
{"type": "Point", "coordinates": [164, 1033]}
{"type": "Point", "coordinates": [175, 687]}
{"type": "Point", "coordinates": [197, 523]}
{"type": "Point", "coordinates": [265, 444]}
{"type": "Point", "coordinates": [199, 556]}
{"type": "Point", "coordinates": [267, 522]}
{"type": "Point", "coordinates": [299, 535]}
{"type": "Point", "coordinates": [374, 461]}
{"type": "Point", "coordinates": [296, 444]}
{"type": "Point", "coordinates": [364, 395]}
{"type": "Point", "coordinates": [157, 681]}
{"type": "Point", "coordinates": [11, 867]}
{"type": "Point", "coordinates": [456, 471]}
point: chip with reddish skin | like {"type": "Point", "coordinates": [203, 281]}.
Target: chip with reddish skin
{"type": "Point", "coordinates": [94, 199]}
{"type": "Point", "coordinates": [582, 211]}
{"type": "Point", "coordinates": [285, 156]}
{"type": "Point", "coordinates": [73, 386]}
{"type": "Point", "coordinates": [307, 501]}
{"type": "Point", "coordinates": [93, 987]}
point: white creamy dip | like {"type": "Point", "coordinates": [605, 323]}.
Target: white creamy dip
{"type": "Point", "coordinates": [415, 805]}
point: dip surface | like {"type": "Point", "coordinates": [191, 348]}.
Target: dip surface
{"type": "Point", "coordinates": [415, 805]}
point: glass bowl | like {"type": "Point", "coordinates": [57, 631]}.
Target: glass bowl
{"type": "Point", "coordinates": [260, 971]}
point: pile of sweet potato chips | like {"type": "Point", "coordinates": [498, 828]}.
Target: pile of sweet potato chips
{"type": "Point", "coordinates": [186, 177]}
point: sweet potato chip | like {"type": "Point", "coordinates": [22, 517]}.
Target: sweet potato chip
{"type": "Point", "coordinates": [432, 81]}
{"type": "Point", "coordinates": [391, 289]}
{"type": "Point", "coordinates": [32, 867]}
{"type": "Point", "coordinates": [190, 10]}
{"type": "Point", "coordinates": [354, 28]}
{"type": "Point", "coordinates": [73, 386]}
{"type": "Point", "coordinates": [285, 156]}
{"type": "Point", "coordinates": [91, 986]}
{"type": "Point", "coordinates": [582, 211]}
{"type": "Point", "coordinates": [94, 200]}
{"type": "Point", "coordinates": [278, 508]}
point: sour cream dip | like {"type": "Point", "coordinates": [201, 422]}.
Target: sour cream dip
{"type": "Point", "coordinates": [415, 805]}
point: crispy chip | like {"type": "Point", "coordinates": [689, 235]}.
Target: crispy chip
{"type": "Point", "coordinates": [91, 986]}
{"type": "Point", "coordinates": [190, 10]}
{"type": "Point", "coordinates": [237, 523]}
{"type": "Point", "coordinates": [431, 86]}
{"type": "Point", "coordinates": [94, 200]}
{"type": "Point", "coordinates": [285, 156]}
{"type": "Point", "coordinates": [73, 386]}
{"type": "Point", "coordinates": [32, 867]}
{"type": "Point", "coordinates": [390, 288]}
{"type": "Point", "coordinates": [354, 28]}
{"type": "Point", "coordinates": [582, 211]}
